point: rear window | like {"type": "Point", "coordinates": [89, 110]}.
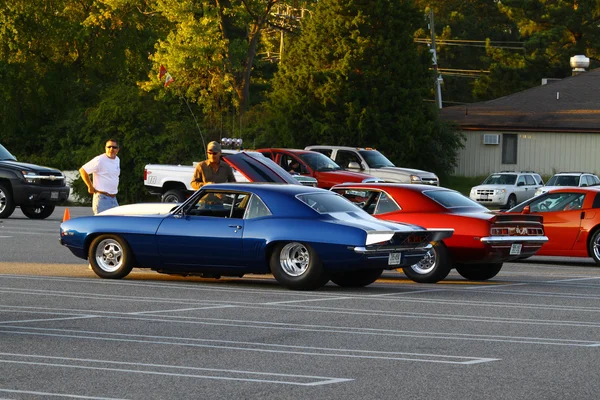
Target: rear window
{"type": "Point", "coordinates": [452, 199]}
{"type": "Point", "coordinates": [563, 180]}
{"type": "Point", "coordinates": [325, 203]}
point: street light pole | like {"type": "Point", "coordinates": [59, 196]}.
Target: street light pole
{"type": "Point", "coordinates": [437, 82]}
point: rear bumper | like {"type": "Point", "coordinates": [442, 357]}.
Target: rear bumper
{"type": "Point", "coordinates": [498, 249]}
{"type": "Point", "coordinates": [381, 259]}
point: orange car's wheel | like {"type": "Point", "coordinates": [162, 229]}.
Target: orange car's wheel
{"type": "Point", "coordinates": [433, 268]}
{"type": "Point", "coordinates": [594, 246]}
{"type": "Point", "coordinates": [479, 272]}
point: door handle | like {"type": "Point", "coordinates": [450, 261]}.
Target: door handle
{"type": "Point", "coordinates": [235, 226]}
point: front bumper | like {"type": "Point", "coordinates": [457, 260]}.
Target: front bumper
{"type": "Point", "coordinates": [491, 200]}
{"type": "Point", "coordinates": [28, 194]}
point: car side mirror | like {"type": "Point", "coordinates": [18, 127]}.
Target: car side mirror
{"type": "Point", "coordinates": [521, 184]}
{"type": "Point", "coordinates": [526, 210]}
{"type": "Point", "coordinates": [354, 165]}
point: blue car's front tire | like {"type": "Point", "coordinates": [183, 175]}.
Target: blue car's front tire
{"type": "Point", "coordinates": [297, 266]}
{"type": "Point", "coordinates": [110, 257]}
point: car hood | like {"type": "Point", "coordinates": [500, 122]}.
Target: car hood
{"type": "Point", "coordinates": [21, 166]}
{"type": "Point", "coordinates": [407, 171]}
{"type": "Point", "coordinates": [258, 168]}
{"type": "Point", "coordinates": [490, 187]}
{"type": "Point", "coordinates": [348, 176]}
{"type": "Point", "coordinates": [141, 209]}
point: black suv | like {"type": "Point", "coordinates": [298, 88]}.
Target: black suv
{"type": "Point", "coordinates": [34, 188]}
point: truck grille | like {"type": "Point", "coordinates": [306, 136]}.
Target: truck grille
{"type": "Point", "coordinates": [51, 179]}
{"type": "Point", "coordinates": [430, 181]}
{"type": "Point", "coordinates": [485, 192]}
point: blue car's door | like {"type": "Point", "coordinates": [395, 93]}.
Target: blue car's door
{"type": "Point", "coordinates": [200, 241]}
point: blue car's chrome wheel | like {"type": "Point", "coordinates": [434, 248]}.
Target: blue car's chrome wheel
{"type": "Point", "coordinates": [434, 267]}
{"type": "Point", "coordinates": [110, 257]}
{"type": "Point", "coordinates": [297, 266]}
{"type": "Point", "coordinates": [294, 259]}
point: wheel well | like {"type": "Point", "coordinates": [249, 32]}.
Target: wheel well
{"type": "Point", "coordinates": [7, 184]}
{"type": "Point", "coordinates": [269, 251]}
{"type": "Point", "coordinates": [90, 238]}
{"type": "Point", "coordinates": [589, 238]}
{"type": "Point", "coordinates": [173, 186]}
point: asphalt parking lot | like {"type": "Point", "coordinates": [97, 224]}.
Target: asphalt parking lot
{"type": "Point", "coordinates": [530, 333]}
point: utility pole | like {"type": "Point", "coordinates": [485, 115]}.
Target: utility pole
{"type": "Point", "coordinates": [437, 82]}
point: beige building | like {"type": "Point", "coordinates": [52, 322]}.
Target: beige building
{"type": "Point", "coordinates": [547, 129]}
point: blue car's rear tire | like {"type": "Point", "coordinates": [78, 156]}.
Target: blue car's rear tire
{"type": "Point", "coordinates": [297, 266]}
{"type": "Point", "coordinates": [356, 279]}
{"type": "Point", "coordinates": [110, 257]}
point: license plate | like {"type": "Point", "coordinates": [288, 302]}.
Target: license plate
{"type": "Point", "coordinates": [54, 195]}
{"type": "Point", "coordinates": [515, 249]}
{"type": "Point", "coordinates": [395, 259]}
{"type": "Point", "coordinates": [484, 197]}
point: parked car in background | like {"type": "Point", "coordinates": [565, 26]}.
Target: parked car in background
{"type": "Point", "coordinates": [372, 162]}
{"type": "Point", "coordinates": [571, 221]}
{"type": "Point", "coordinates": [305, 236]}
{"type": "Point", "coordinates": [581, 179]}
{"type": "Point", "coordinates": [506, 189]}
{"type": "Point", "coordinates": [33, 188]}
{"type": "Point", "coordinates": [481, 242]}
{"type": "Point", "coordinates": [173, 182]}
{"type": "Point", "coordinates": [316, 165]}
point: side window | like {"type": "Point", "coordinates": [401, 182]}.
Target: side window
{"type": "Point", "coordinates": [590, 180]}
{"type": "Point", "coordinates": [268, 154]}
{"type": "Point", "coordinates": [596, 201]}
{"type": "Point", "coordinates": [529, 180]}
{"type": "Point", "coordinates": [365, 199]}
{"type": "Point", "coordinates": [219, 204]}
{"type": "Point", "coordinates": [385, 204]}
{"type": "Point", "coordinates": [256, 208]}
{"type": "Point", "coordinates": [521, 180]}
{"type": "Point", "coordinates": [596, 180]}
{"type": "Point", "coordinates": [558, 202]}
{"type": "Point", "coordinates": [344, 158]}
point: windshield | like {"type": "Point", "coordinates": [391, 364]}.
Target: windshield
{"type": "Point", "coordinates": [375, 159]}
{"type": "Point", "coordinates": [325, 203]}
{"type": "Point", "coordinates": [452, 199]}
{"type": "Point", "coordinates": [500, 179]}
{"type": "Point", "coordinates": [563, 180]}
{"type": "Point", "coordinates": [319, 162]}
{"type": "Point", "coordinates": [5, 155]}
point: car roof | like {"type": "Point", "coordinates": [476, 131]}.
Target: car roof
{"type": "Point", "coordinates": [576, 189]}
{"type": "Point", "coordinates": [574, 173]}
{"type": "Point", "coordinates": [297, 151]}
{"type": "Point", "coordinates": [329, 147]}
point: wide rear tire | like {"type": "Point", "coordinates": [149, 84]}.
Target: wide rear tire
{"type": "Point", "coordinates": [479, 272]}
{"type": "Point", "coordinates": [7, 203]}
{"type": "Point", "coordinates": [297, 266]}
{"type": "Point", "coordinates": [38, 212]}
{"type": "Point", "coordinates": [355, 279]}
{"type": "Point", "coordinates": [433, 268]}
{"type": "Point", "coordinates": [110, 257]}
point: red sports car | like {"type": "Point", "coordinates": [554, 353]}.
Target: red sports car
{"type": "Point", "coordinates": [571, 221]}
{"type": "Point", "coordinates": [482, 240]}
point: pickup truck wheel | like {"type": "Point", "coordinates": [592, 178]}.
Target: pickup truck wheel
{"type": "Point", "coordinates": [7, 204]}
{"type": "Point", "coordinates": [433, 268]}
{"type": "Point", "coordinates": [479, 272]}
{"type": "Point", "coordinates": [297, 266]}
{"type": "Point", "coordinates": [38, 212]}
{"type": "Point", "coordinates": [173, 196]}
{"type": "Point", "coordinates": [110, 257]}
{"type": "Point", "coordinates": [355, 279]}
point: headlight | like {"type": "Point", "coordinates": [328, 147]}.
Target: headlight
{"type": "Point", "coordinates": [30, 177]}
{"type": "Point", "coordinates": [538, 192]}
{"type": "Point", "coordinates": [415, 179]}
{"type": "Point", "coordinates": [473, 192]}
{"type": "Point", "coordinates": [500, 191]}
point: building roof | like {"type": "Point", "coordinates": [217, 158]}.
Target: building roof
{"type": "Point", "coordinates": [568, 105]}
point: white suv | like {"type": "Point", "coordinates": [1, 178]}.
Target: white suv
{"type": "Point", "coordinates": [569, 179]}
{"type": "Point", "coordinates": [507, 189]}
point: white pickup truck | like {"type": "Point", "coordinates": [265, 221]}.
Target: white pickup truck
{"type": "Point", "coordinates": [372, 162]}
{"type": "Point", "coordinates": [173, 182]}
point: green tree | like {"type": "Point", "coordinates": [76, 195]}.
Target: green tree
{"type": "Point", "coordinates": [355, 77]}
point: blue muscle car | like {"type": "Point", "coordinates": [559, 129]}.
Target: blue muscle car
{"type": "Point", "coordinates": [305, 236]}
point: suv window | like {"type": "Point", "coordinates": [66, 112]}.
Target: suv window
{"type": "Point", "coordinates": [345, 157]}
{"type": "Point", "coordinates": [500, 179]}
{"type": "Point", "coordinates": [521, 180]}
{"type": "Point", "coordinates": [529, 180]}
{"type": "Point", "coordinates": [326, 152]}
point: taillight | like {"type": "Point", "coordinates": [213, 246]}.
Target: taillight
{"type": "Point", "coordinates": [145, 174]}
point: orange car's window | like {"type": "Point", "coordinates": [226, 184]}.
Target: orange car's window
{"type": "Point", "coordinates": [558, 202]}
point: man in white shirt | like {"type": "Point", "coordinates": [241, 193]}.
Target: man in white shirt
{"type": "Point", "coordinates": [105, 170]}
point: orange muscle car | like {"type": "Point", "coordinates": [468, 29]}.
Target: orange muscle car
{"type": "Point", "coordinates": [482, 240]}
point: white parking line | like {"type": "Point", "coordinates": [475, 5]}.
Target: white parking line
{"type": "Point", "coordinates": [255, 346]}
{"type": "Point", "coordinates": [70, 396]}
{"type": "Point", "coordinates": [183, 309]}
{"type": "Point", "coordinates": [154, 369]}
